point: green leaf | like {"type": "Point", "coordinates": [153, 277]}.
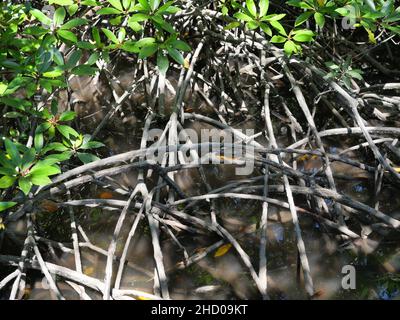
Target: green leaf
{"type": "Point", "coordinates": [302, 18]}
{"type": "Point", "coordinates": [3, 88]}
{"type": "Point", "coordinates": [273, 17]}
{"type": "Point", "coordinates": [107, 11]}
{"type": "Point", "coordinates": [251, 6]}
{"type": "Point", "coordinates": [277, 25]}
{"type": "Point", "coordinates": [181, 45]}
{"type": "Point", "coordinates": [264, 27]}
{"type": "Point", "coordinates": [88, 144]}
{"type": "Point", "coordinates": [84, 70]}
{"type": "Point", "coordinates": [93, 58]}
{"type": "Point", "coordinates": [371, 4]}
{"type": "Point", "coordinates": [74, 23]}
{"type": "Point", "coordinates": [72, 9]}
{"type": "Point", "coordinates": [7, 171]}
{"type": "Point", "coordinates": [162, 63]}
{"type": "Point", "coordinates": [116, 4]}
{"type": "Point", "coordinates": [74, 59]}
{"type": "Point", "coordinates": [25, 185]}
{"type": "Point", "coordinates": [168, 8]}
{"type": "Point", "coordinates": [371, 36]}
{"type": "Point", "coordinates": [176, 55]}
{"type": "Point", "coordinates": [85, 45]}
{"type": "Point", "coordinates": [67, 35]}
{"type": "Point", "coordinates": [148, 51]}
{"type": "Point", "coordinates": [66, 131]}
{"type": "Point", "coordinates": [154, 4]}
{"type": "Point", "coordinates": [7, 205]}
{"type": "Point", "coordinates": [319, 19]}
{"type": "Point", "coordinates": [264, 4]}
{"type": "Point", "coordinates": [145, 42]}
{"type": "Point", "coordinates": [59, 16]}
{"type": "Point", "coordinates": [121, 35]}
{"type": "Point", "coordinates": [7, 181]}
{"type": "Point", "coordinates": [232, 25]}
{"type": "Point", "coordinates": [126, 4]}
{"type": "Point", "coordinates": [251, 25]}
{"type": "Point", "coordinates": [67, 116]}
{"type": "Point", "coordinates": [62, 2]}
{"type": "Point", "coordinates": [6, 162]}
{"type": "Point", "coordinates": [135, 26]}
{"type": "Point", "coordinates": [60, 157]}
{"type": "Point", "coordinates": [278, 39]}
{"type": "Point", "coordinates": [55, 146]}
{"type": "Point", "coordinates": [342, 11]}
{"type": "Point", "coordinates": [87, 157]}
{"type": "Point", "coordinates": [55, 73]}
{"type": "Point", "coordinates": [28, 157]}
{"type": "Point", "coordinates": [289, 47]}
{"type": "Point", "coordinates": [13, 115]}
{"type": "Point", "coordinates": [139, 17]}
{"type": "Point", "coordinates": [38, 141]}
{"type": "Point", "coordinates": [40, 180]}
{"type": "Point", "coordinates": [43, 127]}
{"type": "Point", "coordinates": [355, 73]}
{"type": "Point", "coordinates": [161, 23]}
{"type": "Point", "coordinates": [41, 17]}
{"type": "Point", "coordinates": [130, 46]}
{"type": "Point", "coordinates": [145, 5]}
{"type": "Point", "coordinates": [303, 35]}
{"type": "Point", "coordinates": [243, 17]}
{"type": "Point", "coordinates": [13, 152]}
{"type": "Point", "coordinates": [110, 35]}
{"type": "Point", "coordinates": [42, 169]}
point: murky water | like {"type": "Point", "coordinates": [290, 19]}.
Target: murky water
{"type": "Point", "coordinates": [376, 258]}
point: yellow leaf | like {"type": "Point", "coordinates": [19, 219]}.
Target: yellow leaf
{"type": "Point", "coordinates": [88, 271]}
{"type": "Point", "coordinates": [225, 158]}
{"type": "Point", "coordinates": [397, 169]}
{"type": "Point", "coordinates": [142, 298]}
{"type": "Point", "coordinates": [371, 36]}
{"type": "Point", "coordinates": [222, 250]}
{"type": "Point", "coordinates": [304, 157]}
{"type": "Point", "coordinates": [321, 2]}
{"type": "Point", "coordinates": [186, 64]}
{"type": "Point", "coordinates": [2, 226]}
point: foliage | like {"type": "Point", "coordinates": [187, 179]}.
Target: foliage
{"type": "Point", "coordinates": [344, 72]}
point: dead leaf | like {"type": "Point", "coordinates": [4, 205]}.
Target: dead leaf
{"type": "Point", "coordinates": [49, 206]}
{"type": "Point", "coordinates": [106, 195]}
{"type": "Point", "coordinates": [222, 250]}
{"type": "Point", "coordinates": [318, 294]}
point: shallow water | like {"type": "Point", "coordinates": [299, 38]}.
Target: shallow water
{"type": "Point", "coordinates": [376, 258]}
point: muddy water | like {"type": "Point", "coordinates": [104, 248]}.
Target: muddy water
{"type": "Point", "coordinates": [376, 258]}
